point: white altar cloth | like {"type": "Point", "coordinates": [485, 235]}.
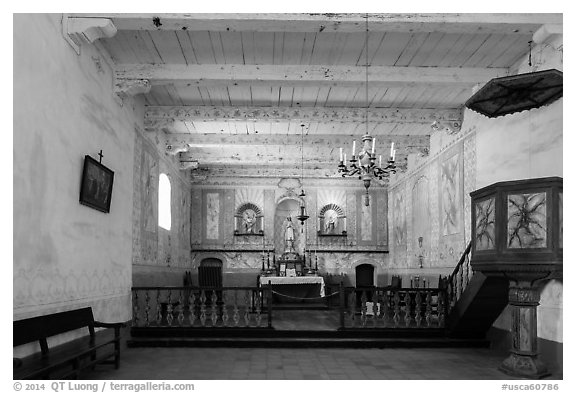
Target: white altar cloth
{"type": "Point", "coordinates": [294, 280]}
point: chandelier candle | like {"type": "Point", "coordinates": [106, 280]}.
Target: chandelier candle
{"type": "Point", "coordinates": [373, 144]}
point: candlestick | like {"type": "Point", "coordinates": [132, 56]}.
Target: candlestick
{"type": "Point", "coordinates": [353, 148]}
{"type": "Point", "coordinates": [340, 154]}
{"type": "Point", "coordinates": [345, 158]}
{"type": "Point", "coordinates": [394, 155]}
{"type": "Point", "coordinates": [373, 144]}
{"type": "Point", "coordinates": [392, 149]}
{"type": "Point", "coordinates": [380, 161]}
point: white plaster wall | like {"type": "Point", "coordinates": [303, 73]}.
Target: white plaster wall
{"type": "Point", "coordinates": [518, 146]}
{"type": "Point", "coordinates": [67, 255]}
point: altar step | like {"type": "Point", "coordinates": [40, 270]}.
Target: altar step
{"type": "Point", "coordinates": [307, 342]}
{"type": "Point", "coordinates": [299, 306]}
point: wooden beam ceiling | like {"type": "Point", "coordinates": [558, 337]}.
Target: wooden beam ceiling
{"type": "Point", "coordinates": [299, 114]}
{"type": "Point", "coordinates": [498, 23]}
{"type": "Point", "coordinates": [299, 75]}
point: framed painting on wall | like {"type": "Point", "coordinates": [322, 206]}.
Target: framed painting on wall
{"type": "Point", "coordinates": [96, 185]}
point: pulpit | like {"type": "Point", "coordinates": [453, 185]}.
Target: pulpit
{"type": "Point", "coordinates": [517, 234]}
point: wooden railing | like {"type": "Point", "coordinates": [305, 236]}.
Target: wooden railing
{"type": "Point", "coordinates": [390, 307]}
{"type": "Point", "coordinates": [195, 307]}
{"type": "Point", "coordinates": [458, 280]}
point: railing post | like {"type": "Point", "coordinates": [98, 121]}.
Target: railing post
{"type": "Point", "coordinates": [269, 304]}
{"type": "Point", "coordinates": [342, 304]}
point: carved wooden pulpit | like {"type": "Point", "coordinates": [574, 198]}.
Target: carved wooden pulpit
{"type": "Point", "coordinates": [517, 234]}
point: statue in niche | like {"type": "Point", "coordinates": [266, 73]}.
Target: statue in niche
{"type": "Point", "coordinates": [289, 236]}
{"type": "Point", "coordinates": [330, 221]}
{"type": "Point", "coordinates": [248, 220]}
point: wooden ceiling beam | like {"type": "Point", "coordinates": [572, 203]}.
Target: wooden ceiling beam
{"type": "Point", "coordinates": [304, 75]}
{"type": "Point", "coordinates": [464, 23]}
{"type": "Point", "coordinates": [167, 114]}
{"type": "Point", "coordinates": [326, 142]}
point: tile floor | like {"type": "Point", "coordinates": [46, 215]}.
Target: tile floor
{"type": "Point", "coordinates": [304, 364]}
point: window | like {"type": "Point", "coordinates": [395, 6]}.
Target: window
{"type": "Point", "coordinates": [164, 194]}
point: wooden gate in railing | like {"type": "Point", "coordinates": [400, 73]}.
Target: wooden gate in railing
{"type": "Point", "coordinates": [202, 307]}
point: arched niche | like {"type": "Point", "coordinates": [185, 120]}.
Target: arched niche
{"type": "Point", "coordinates": [331, 220]}
{"type": "Point", "coordinates": [288, 207]}
{"type": "Point", "coordinates": [248, 220]}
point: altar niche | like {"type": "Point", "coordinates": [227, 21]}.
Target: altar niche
{"type": "Point", "coordinates": [248, 220]}
{"type": "Point", "coordinates": [288, 208]}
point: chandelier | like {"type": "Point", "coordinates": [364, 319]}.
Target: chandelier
{"type": "Point", "coordinates": [364, 165]}
{"type": "Point", "coordinates": [302, 216]}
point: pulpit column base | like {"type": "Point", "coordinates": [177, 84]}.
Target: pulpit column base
{"type": "Point", "coordinates": [523, 362]}
{"type": "Point", "coordinates": [524, 366]}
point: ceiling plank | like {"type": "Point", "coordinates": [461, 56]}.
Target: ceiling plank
{"type": "Point", "coordinates": [298, 75]}
{"type": "Point", "coordinates": [499, 23]}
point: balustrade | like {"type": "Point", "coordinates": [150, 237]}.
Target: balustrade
{"type": "Point", "coordinates": [222, 307]}
{"type": "Point", "coordinates": [388, 307]}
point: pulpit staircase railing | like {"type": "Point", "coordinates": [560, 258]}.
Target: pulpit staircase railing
{"type": "Point", "coordinates": [459, 279]}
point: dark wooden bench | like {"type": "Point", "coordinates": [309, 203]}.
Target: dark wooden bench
{"type": "Point", "coordinates": [65, 360]}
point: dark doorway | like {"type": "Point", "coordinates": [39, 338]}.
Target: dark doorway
{"type": "Point", "coordinates": [210, 273]}
{"type": "Point", "coordinates": [210, 276]}
{"type": "Point", "coordinates": [364, 279]}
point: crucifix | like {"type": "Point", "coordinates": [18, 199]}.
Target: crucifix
{"type": "Point", "coordinates": [101, 156]}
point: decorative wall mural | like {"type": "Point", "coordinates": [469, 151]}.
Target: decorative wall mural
{"type": "Point", "coordinates": [366, 220]}
{"type": "Point", "coordinates": [212, 216]}
{"type": "Point", "coordinates": [399, 219]}
{"type": "Point", "coordinates": [527, 220]}
{"type": "Point", "coordinates": [450, 195]}
{"type": "Point", "coordinates": [149, 204]}
{"type": "Point", "coordinates": [150, 192]}
{"type": "Point", "coordinates": [421, 234]}
{"type": "Point", "coordinates": [561, 212]}
{"type": "Point", "coordinates": [243, 260]}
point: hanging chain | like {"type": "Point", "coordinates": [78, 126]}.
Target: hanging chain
{"type": "Point", "coordinates": [530, 53]}
{"type": "Point", "coordinates": [366, 54]}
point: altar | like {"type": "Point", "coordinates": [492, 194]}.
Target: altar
{"type": "Point", "coordinates": [300, 289]}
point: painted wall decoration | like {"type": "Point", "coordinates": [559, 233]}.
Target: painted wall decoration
{"type": "Point", "coordinates": [421, 233]}
{"type": "Point", "coordinates": [485, 224]}
{"type": "Point", "coordinates": [450, 195]}
{"type": "Point", "coordinates": [527, 220]}
{"type": "Point", "coordinates": [366, 215]}
{"type": "Point", "coordinates": [561, 212]}
{"type": "Point", "coordinates": [399, 219]}
{"type": "Point", "coordinates": [149, 204]}
{"type": "Point", "coordinates": [212, 216]}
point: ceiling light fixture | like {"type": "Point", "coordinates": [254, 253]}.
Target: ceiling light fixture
{"type": "Point", "coordinates": [302, 216]}
{"type": "Point", "coordinates": [364, 165]}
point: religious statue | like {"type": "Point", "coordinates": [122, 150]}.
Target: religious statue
{"type": "Point", "coordinates": [330, 221]}
{"type": "Point", "coordinates": [248, 220]}
{"type": "Point", "coordinates": [289, 236]}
